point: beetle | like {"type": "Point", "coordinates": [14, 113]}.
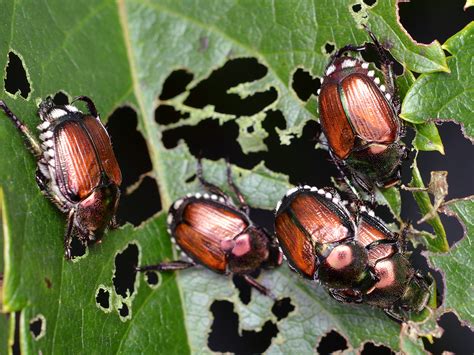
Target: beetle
{"type": "Point", "coordinates": [214, 232]}
{"type": "Point", "coordinates": [76, 167]}
{"type": "Point", "coordinates": [359, 118]}
{"type": "Point", "coordinates": [318, 234]}
{"type": "Point", "coordinates": [399, 288]}
{"type": "Point", "coordinates": [318, 237]}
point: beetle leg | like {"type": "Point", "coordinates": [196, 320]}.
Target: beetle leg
{"type": "Point", "coordinates": [387, 69]}
{"type": "Point", "coordinates": [340, 167]}
{"type": "Point", "coordinates": [90, 104]}
{"type": "Point", "coordinates": [394, 315]}
{"type": "Point", "coordinates": [347, 48]}
{"type": "Point", "coordinates": [339, 296]}
{"type": "Point", "coordinates": [45, 107]}
{"type": "Point", "coordinates": [68, 234]}
{"type": "Point", "coordinates": [168, 266]}
{"type": "Point", "coordinates": [113, 224]}
{"type": "Point", "coordinates": [31, 142]}
{"type": "Point", "coordinates": [243, 204]}
{"type": "Point", "coordinates": [258, 286]}
{"type": "Point", "coordinates": [207, 185]}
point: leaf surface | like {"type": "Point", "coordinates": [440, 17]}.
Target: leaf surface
{"type": "Point", "coordinates": [121, 53]}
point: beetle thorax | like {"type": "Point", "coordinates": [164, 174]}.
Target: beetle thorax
{"type": "Point", "coordinates": [247, 251]}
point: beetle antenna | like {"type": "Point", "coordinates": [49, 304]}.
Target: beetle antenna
{"type": "Point", "coordinates": [243, 204]}
{"type": "Point", "coordinates": [259, 287]}
{"type": "Point", "coordinates": [30, 140]}
{"type": "Point", "coordinates": [89, 103]}
{"type": "Point", "coordinates": [168, 266]}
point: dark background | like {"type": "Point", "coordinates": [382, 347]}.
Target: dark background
{"type": "Point", "coordinates": [425, 21]}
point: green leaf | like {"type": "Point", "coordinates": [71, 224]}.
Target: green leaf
{"type": "Point", "coordinates": [427, 136]}
{"type": "Point", "coordinates": [120, 53]}
{"type": "Point", "coordinates": [457, 265]}
{"type": "Point", "coordinates": [446, 96]}
{"type": "Point", "coordinates": [420, 58]}
{"type": "Point", "coordinates": [440, 243]}
{"type": "Point", "coordinates": [391, 198]}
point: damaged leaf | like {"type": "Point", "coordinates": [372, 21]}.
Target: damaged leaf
{"type": "Point", "coordinates": [440, 243]}
{"type": "Point", "coordinates": [457, 266]}
{"type": "Point", "coordinates": [136, 46]}
{"type": "Point", "coordinates": [446, 96]}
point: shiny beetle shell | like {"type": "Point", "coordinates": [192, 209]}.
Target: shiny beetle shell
{"type": "Point", "coordinates": [399, 286]}
{"type": "Point", "coordinates": [361, 123]}
{"type": "Point", "coordinates": [354, 112]}
{"type": "Point", "coordinates": [316, 234]}
{"type": "Point", "coordinates": [214, 233]}
{"type": "Point", "coordinates": [83, 157]}
{"type": "Point", "coordinates": [76, 167]}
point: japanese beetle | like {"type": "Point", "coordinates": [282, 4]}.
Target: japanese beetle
{"type": "Point", "coordinates": [399, 288]}
{"type": "Point", "coordinates": [318, 237]}
{"type": "Point", "coordinates": [359, 117]}
{"type": "Point", "coordinates": [212, 231]}
{"type": "Point", "coordinates": [76, 167]}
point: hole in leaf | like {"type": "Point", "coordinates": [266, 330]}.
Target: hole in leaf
{"type": "Point", "coordinates": [456, 338]}
{"type": "Point", "coordinates": [16, 336]}
{"type": "Point", "coordinates": [419, 263]}
{"type": "Point", "coordinates": [77, 248]}
{"type": "Point", "coordinates": [304, 84]}
{"type": "Point", "coordinates": [175, 84]}
{"type": "Point", "coordinates": [209, 140]}
{"type": "Point", "coordinates": [16, 78]}
{"type": "Point", "coordinates": [263, 218]}
{"type": "Point", "coordinates": [370, 54]}
{"type": "Point", "coordinates": [60, 98]}
{"type": "Point", "coordinates": [103, 298]}
{"type": "Point", "coordinates": [282, 308]}
{"type": "Point", "coordinates": [439, 22]}
{"type": "Point", "coordinates": [332, 342]}
{"type": "Point", "coordinates": [356, 8]}
{"type": "Point", "coordinates": [166, 114]}
{"type": "Point", "coordinates": [48, 282]}
{"type": "Point", "coordinates": [371, 348]}
{"type": "Point", "coordinates": [453, 227]}
{"type": "Point", "coordinates": [243, 287]}
{"type": "Point", "coordinates": [213, 90]}
{"type": "Point", "coordinates": [369, 2]}
{"type": "Point", "coordinates": [141, 204]}
{"type": "Point", "coordinates": [459, 181]}
{"type": "Point", "coordinates": [250, 129]}
{"type": "Point", "coordinates": [329, 48]}
{"type": "Point", "coordinates": [224, 335]}
{"type": "Point", "coordinates": [38, 327]}
{"type": "Point", "coordinates": [316, 167]}
{"type": "Point", "coordinates": [129, 145]}
{"type": "Point", "coordinates": [124, 311]}
{"type": "Point", "coordinates": [125, 274]}
{"type": "Point", "coordinates": [152, 278]}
